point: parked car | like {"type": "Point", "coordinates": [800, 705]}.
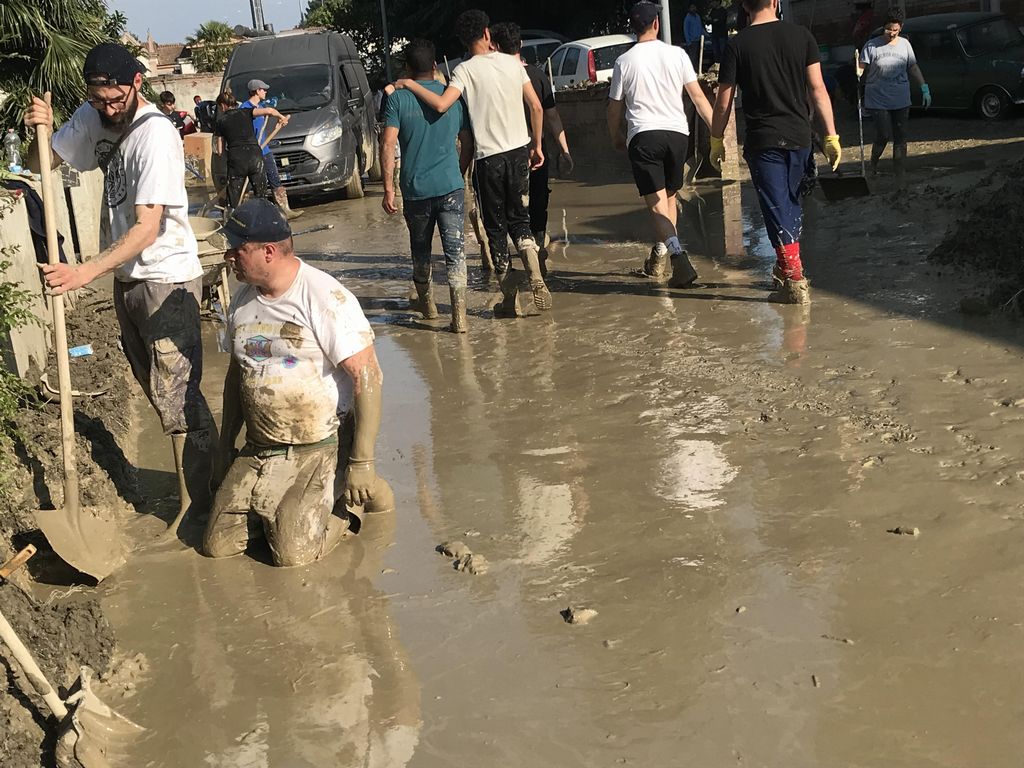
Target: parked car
{"type": "Point", "coordinates": [970, 61]}
{"type": "Point", "coordinates": [538, 50]}
{"type": "Point", "coordinates": [318, 80]}
{"type": "Point", "coordinates": [588, 60]}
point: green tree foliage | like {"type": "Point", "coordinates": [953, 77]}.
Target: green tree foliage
{"type": "Point", "coordinates": [211, 46]}
{"type": "Point", "coordinates": [42, 48]}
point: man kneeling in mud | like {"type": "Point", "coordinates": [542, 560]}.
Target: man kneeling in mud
{"type": "Point", "coordinates": [305, 380]}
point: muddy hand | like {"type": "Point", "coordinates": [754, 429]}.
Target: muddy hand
{"type": "Point", "coordinates": [38, 113]}
{"type": "Point", "coordinates": [360, 480]}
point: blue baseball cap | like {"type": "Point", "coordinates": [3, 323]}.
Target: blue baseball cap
{"type": "Point", "coordinates": [256, 221]}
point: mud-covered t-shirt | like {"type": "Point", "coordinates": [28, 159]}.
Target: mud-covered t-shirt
{"type": "Point", "coordinates": [148, 168]}
{"type": "Point", "coordinates": [492, 86]}
{"type": "Point", "coordinates": [769, 63]}
{"type": "Point", "coordinates": [289, 350]}
{"type": "Point", "coordinates": [887, 77]}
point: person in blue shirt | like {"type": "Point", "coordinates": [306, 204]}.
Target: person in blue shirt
{"type": "Point", "coordinates": [257, 95]}
{"type": "Point", "coordinates": [431, 179]}
{"type": "Point", "coordinates": [693, 31]}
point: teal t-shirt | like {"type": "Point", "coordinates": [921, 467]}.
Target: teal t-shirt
{"type": "Point", "coordinates": [430, 163]}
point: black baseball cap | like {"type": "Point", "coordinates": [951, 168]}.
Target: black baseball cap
{"type": "Point", "coordinates": [256, 221]}
{"type": "Point", "coordinates": [111, 64]}
{"type": "Point", "coordinates": [643, 14]}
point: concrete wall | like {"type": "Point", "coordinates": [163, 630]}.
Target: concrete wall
{"type": "Point", "coordinates": [184, 87]}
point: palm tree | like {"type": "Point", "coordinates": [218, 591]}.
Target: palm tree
{"type": "Point", "coordinates": [211, 46]}
{"type": "Point", "coordinates": [42, 48]}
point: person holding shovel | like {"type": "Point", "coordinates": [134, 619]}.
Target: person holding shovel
{"type": "Point", "coordinates": [257, 93]}
{"type": "Point", "coordinates": [236, 137]}
{"type": "Point", "coordinates": [778, 66]}
{"type": "Point", "coordinates": [887, 65]}
{"type": "Point", "coordinates": [305, 382]}
{"type": "Point", "coordinates": [157, 275]}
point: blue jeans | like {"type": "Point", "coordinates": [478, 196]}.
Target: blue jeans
{"type": "Point", "coordinates": [778, 178]}
{"type": "Point", "coordinates": [448, 213]}
{"type": "Point", "coordinates": [273, 178]}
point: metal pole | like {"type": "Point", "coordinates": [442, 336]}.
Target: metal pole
{"type": "Point", "coordinates": [387, 41]}
{"type": "Point", "coordinates": [666, 23]}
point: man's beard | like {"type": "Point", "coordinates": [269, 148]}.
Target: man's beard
{"type": "Point", "coordinates": [123, 119]}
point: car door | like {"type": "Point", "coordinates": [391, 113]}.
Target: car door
{"type": "Point", "coordinates": [942, 62]}
{"type": "Point", "coordinates": [568, 74]}
{"type": "Point", "coordinates": [555, 63]}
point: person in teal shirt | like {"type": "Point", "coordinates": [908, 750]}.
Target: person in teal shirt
{"type": "Point", "coordinates": [431, 179]}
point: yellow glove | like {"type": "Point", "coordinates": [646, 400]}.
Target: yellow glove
{"type": "Point", "coordinates": [833, 152]}
{"type": "Point", "coordinates": [717, 153]}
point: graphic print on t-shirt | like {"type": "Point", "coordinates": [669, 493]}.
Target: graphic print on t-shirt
{"type": "Point", "coordinates": [257, 348]}
{"type": "Point", "coordinates": [115, 182]}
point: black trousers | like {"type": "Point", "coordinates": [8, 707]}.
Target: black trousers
{"type": "Point", "coordinates": [246, 164]}
{"type": "Point", "coordinates": [540, 194]}
{"type": "Point", "coordinates": [503, 183]}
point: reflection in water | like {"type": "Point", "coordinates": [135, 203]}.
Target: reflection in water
{"type": "Point", "coordinates": [695, 473]}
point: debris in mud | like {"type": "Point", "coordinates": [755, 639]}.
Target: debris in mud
{"type": "Point", "coordinates": [474, 564]}
{"type": "Point", "coordinates": [844, 640]}
{"type": "Point", "coordinates": [576, 615]}
{"type": "Point", "coordinates": [455, 549]}
{"type": "Point", "coordinates": [741, 609]}
{"type": "Point", "coordinates": [815, 681]}
{"type": "Point", "coordinates": [903, 530]}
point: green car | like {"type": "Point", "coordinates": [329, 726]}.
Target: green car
{"type": "Point", "coordinates": [970, 61]}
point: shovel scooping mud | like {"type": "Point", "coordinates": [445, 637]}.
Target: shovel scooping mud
{"type": "Point", "coordinates": [87, 538]}
{"type": "Point", "coordinates": [840, 186]}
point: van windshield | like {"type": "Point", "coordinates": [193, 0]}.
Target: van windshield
{"type": "Point", "coordinates": [990, 37]}
{"type": "Point", "coordinates": [295, 89]}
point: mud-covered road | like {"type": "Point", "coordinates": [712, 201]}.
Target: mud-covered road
{"type": "Point", "coordinates": [715, 476]}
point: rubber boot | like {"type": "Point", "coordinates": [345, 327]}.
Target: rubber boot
{"type": "Point", "coordinates": [458, 310]}
{"type": "Point", "coordinates": [192, 463]}
{"type": "Point", "coordinates": [281, 196]}
{"type": "Point", "coordinates": [656, 264]}
{"type": "Point", "coordinates": [792, 292]}
{"type": "Point", "coordinates": [509, 304]}
{"type": "Point", "coordinates": [543, 241]}
{"type": "Point", "coordinates": [530, 255]}
{"type": "Point", "coordinates": [424, 301]}
{"type": "Point", "coordinates": [683, 273]}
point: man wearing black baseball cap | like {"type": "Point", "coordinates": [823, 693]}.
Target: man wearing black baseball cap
{"type": "Point", "coordinates": [305, 381]}
{"type": "Point", "coordinates": [150, 249]}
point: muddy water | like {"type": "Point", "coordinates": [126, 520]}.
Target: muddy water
{"type": "Point", "coordinates": [714, 475]}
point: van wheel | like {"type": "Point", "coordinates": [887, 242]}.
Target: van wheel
{"type": "Point", "coordinates": [376, 172]}
{"type": "Point", "coordinates": [354, 188]}
{"type": "Point", "coordinates": [992, 103]}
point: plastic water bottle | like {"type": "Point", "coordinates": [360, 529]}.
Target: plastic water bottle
{"type": "Point", "coordinates": [12, 151]}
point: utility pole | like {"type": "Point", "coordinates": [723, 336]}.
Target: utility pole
{"type": "Point", "coordinates": [666, 23]}
{"type": "Point", "coordinates": [387, 41]}
{"type": "Point", "coordinates": [256, 6]}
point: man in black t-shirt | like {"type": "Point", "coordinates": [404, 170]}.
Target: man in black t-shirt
{"type": "Point", "coordinates": [236, 137]}
{"type": "Point", "coordinates": [508, 39]}
{"type": "Point", "coordinates": [777, 65]}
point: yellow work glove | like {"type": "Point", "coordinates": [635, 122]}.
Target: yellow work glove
{"type": "Point", "coordinates": [833, 152]}
{"type": "Point", "coordinates": [717, 153]}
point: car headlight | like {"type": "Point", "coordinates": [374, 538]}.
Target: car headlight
{"type": "Point", "coordinates": [326, 134]}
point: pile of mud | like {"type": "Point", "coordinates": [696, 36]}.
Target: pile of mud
{"type": "Point", "coordinates": [68, 629]}
{"type": "Point", "coordinates": [989, 238]}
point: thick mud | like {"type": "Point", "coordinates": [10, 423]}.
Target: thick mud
{"type": "Point", "coordinates": [685, 498]}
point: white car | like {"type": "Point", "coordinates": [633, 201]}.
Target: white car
{"type": "Point", "coordinates": [589, 60]}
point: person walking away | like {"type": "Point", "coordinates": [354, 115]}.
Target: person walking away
{"type": "Point", "coordinates": [777, 66]}
{"type": "Point", "coordinates": [157, 275]}
{"type": "Point", "coordinates": [257, 93]}
{"type": "Point", "coordinates": [495, 86]}
{"type": "Point", "coordinates": [433, 190]}
{"type": "Point", "coordinates": [507, 37]}
{"type": "Point", "coordinates": [719, 18]}
{"type": "Point", "coordinates": [181, 119]}
{"type": "Point", "coordinates": [887, 65]}
{"type": "Point", "coordinates": [236, 138]}
{"type": "Point", "coordinates": [304, 380]}
{"type": "Point", "coordinates": [693, 31]}
{"type": "Point", "coordinates": [647, 88]}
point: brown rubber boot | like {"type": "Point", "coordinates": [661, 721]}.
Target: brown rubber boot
{"type": "Point", "coordinates": [193, 465]}
{"type": "Point", "coordinates": [509, 304]}
{"type": "Point", "coordinates": [424, 301]}
{"type": "Point", "coordinates": [281, 196]}
{"type": "Point", "coordinates": [683, 273]}
{"type": "Point", "coordinates": [543, 241]}
{"type": "Point", "coordinates": [530, 255]}
{"type": "Point", "coordinates": [792, 292]}
{"type": "Point", "coordinates": [458, 310]}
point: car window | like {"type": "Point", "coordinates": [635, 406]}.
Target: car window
{"type": "Point", "coordinates": [935, 46]}
{"type": "Point", "coordinates": [556, 61]}
{"type": "Point", "coordinates": [572, 58]}
{"type": "Point", "coordinates": [990, 37]}
{"type": "Point", "coordinates": [604, 58]}
{"type": "Point", "coordinates": [537, 54]}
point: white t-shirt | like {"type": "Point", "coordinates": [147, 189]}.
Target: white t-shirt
{"type": "Point", "coordinates": [289, 350]}
{"type": "Point", "coordinates": [147, 169]}
{"type": "Point", "coordinates": [650, 77]}
{"type": "Point", "coordinates": [492, 85]}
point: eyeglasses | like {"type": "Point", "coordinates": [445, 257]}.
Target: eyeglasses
{"type": "Point", "coordinates": [893, 30]}
{"type": "Point", "coordinates": [104, 103]}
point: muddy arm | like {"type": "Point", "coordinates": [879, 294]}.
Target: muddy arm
{"type": "Point", "coordinates": [230, 423]}
{"type": "Point", "coordinates": [360, 475]}
{"type": "Point", "coordinates": [388, 142]}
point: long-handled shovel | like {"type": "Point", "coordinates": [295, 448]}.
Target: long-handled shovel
{"type": "Point", "coordinates": [90, 732]}
{"type": "Point", "coordinates": [87, 538]}
{"type": "Point", "coordinates": [840, 187]}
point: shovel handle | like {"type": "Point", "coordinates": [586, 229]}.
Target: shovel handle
{"type": "Point", "coordinates": [32, 670]}
{"type": "Point", "coordinates": [60, 333]}
{"type": "Point", "coordinates": [17, 561]}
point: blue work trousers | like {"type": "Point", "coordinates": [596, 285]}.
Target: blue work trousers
{"type": "Point", "coordinates": [778, 176]}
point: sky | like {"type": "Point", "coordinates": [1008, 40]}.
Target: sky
{"type": "Point", "coordinates": [172, 21]}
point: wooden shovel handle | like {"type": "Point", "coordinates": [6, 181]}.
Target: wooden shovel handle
{"type": "Point", "coordinates": [17, 561]}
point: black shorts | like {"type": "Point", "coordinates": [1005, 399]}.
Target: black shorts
{"type": "Point", "coordinates": [657, 158]}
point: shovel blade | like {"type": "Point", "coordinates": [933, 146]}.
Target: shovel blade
{"type": "Point", "coordinates": [93, 735]}
{"type": "Point", "coordinates": [88, 539]}
{"type": "Point", "coordinates": [842, 187]}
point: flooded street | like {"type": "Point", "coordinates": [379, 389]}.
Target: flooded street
{"type": "Point", "coordinates": [716, 476]}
